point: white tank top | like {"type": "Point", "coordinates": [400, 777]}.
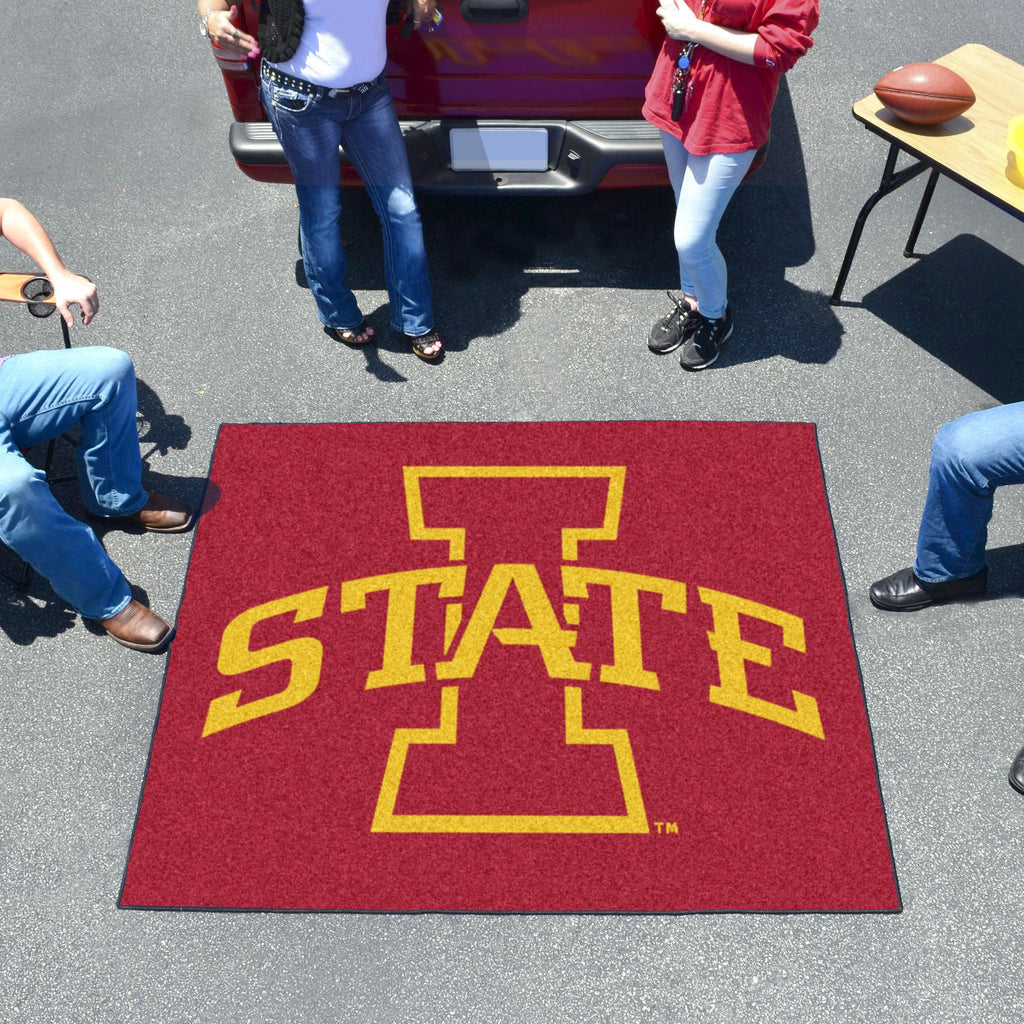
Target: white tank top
{"type": "Point", "coordinates": [342, 43]}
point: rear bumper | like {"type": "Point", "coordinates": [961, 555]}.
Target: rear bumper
{"type": "Point", "coordinates": [582, 155]}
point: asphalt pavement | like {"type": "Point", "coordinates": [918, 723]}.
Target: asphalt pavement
{"type": "Point", "coordinates": [113, 130]}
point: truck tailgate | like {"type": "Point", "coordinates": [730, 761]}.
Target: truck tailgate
{"type": "Point", "coordinates": [561, 58]}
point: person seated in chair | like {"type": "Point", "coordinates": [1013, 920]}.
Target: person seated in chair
{"type": "Point", "coordinates": [971, 457]}
{"type": "Point", "coordinates": [44, 394]}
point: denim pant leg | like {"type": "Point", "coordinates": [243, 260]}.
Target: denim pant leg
{"type": "Point", "coordinates": [971, 457]}
{"type": "Point", "coordinates": [373, 142]}
{"type": "Point", "coordinates": [42, 395]}
{"type": "Point", "coordinates": [310, 137]}
{"type": "Point", "coordinates": [703, 186]}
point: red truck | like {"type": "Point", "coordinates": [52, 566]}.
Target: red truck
{"type": "Point", "coordinates": [510, 96]}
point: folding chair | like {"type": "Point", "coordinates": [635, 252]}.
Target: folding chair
{"type": "Point", "coordinates": [36, 294]}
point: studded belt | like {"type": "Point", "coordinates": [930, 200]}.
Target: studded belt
{"type": "Point", "coordinates": [271, 74]}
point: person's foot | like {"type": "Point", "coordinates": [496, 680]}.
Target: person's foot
{"type": "Point", "coordinates": [137, 627]}
{"type": "Point", "coordinates": [428, 347]}
{"type": "Point", "coordinates": [1017, 771]}
{"type": "Point", "coordinates": [704, 346]}
{"type": "Point", "coordinates": [671, 331]}
{"type": "Point", "coordinates": [356, 337]}
{"type": "Point", "coordinates": [161, 514]}
{"type": "Point", "coordinates": [904, 592]}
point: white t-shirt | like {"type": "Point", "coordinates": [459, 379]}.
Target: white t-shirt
{"type": "Point", "coordinates": [342, 43]}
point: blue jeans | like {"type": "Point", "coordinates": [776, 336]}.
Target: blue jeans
{"type": "Point", "coordinates": [42, 395]}
{"type": "Point", "coordinates": [311, 128]}
{"type": "Point", "coordinates": [971, 457]}
{"type": "Point", "coordinates": [703, 186]}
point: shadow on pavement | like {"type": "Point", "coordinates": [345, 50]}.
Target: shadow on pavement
{"type": "Point", "coordinates": [963, 303]}
{"type": "Point", "coordinates": [1005, 569]}
{"type": "Point", "coordinates": [161, 429]}
{"type": "Point", "coordinates": [25, 616]}
{"type": "Point", "coordinates": [767, 229]}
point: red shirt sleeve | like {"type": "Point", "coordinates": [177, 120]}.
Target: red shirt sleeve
{"type": "Point", "coordinates": [784, 35]}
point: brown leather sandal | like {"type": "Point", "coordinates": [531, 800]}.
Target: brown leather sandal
{"type": "Point", "coordinates": [421, 345]}
{"type": "Point", "coordinates": [350, 335]}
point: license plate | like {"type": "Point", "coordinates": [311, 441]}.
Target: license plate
{"type": "Point", "coordinates": [499, 149]}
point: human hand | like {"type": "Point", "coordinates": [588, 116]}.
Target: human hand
{"type": "Point", "coordinates": [74, 290]}
{"type": "Point", "coordinates": [679, 21]}
{"type": "Point", "coordinates": [223, 29]}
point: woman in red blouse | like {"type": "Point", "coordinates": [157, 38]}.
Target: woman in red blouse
{"type": "Point", "coordinates": [711, 95]}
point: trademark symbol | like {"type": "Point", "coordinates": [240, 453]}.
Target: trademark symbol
{"type": "Point", "coordinates": [667, 828]}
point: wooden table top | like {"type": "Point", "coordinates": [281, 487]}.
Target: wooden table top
{"type": "Point", "coordinates": [973, 146]}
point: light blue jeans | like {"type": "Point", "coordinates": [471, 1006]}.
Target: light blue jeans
{"type": "Point", "coordinates": [703, 186]}
{"type": "Point", "coordinates": [42, 395]}
{"type": "Point", "coordinates": [971, 457]}
{"type": "Point", "coordinates": [311, 128]}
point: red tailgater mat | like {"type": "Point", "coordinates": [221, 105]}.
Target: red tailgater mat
{"type": "Point", "coordinates": [513, 667]}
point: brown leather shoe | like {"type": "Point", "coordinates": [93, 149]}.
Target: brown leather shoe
{"type": "Point", "coordinates": [162, 514]}
{"type": "Point", "coordinates": [137, 627]}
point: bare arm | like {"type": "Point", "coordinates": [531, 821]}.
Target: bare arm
{"type": "Point", "coordinates": [681, 23]}
{"type": "Point", "coordinates": [222, 24]}
{"type": "Point", "coordinates": [23, 231]}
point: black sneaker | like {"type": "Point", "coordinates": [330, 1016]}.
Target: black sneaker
{"type": "Point", "coordinates": [704, 346]}
{"type": "Point", "coordinates": [672, 330]}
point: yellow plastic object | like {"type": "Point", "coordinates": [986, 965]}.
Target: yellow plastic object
{"type": "Point", "coordinates": [1015, 158]}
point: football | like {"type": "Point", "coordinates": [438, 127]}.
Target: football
{"type": "Point", "coordinates": [924, 93]}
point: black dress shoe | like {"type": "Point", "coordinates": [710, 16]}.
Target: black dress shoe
{"type": "Point", "coordinates": [904, 592]}
{"type": "Point", "coordinates": [1017, 771]}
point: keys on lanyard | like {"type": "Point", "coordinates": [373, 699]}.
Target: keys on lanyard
{"type": "Point", "coordinates": [682, 70]}
{"type": "Point", "coordinates": [679, 76]}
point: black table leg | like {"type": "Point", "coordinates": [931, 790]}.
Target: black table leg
{"type": "Point", "coordinates": [929, 191]}
{"type": "Point", "coordinates": [891, 180]}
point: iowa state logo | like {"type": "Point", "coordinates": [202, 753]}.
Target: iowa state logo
{"type": "Point", "coordinates": [513, 666]}
{"type": "Point", "coordinates": [553, 620]}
